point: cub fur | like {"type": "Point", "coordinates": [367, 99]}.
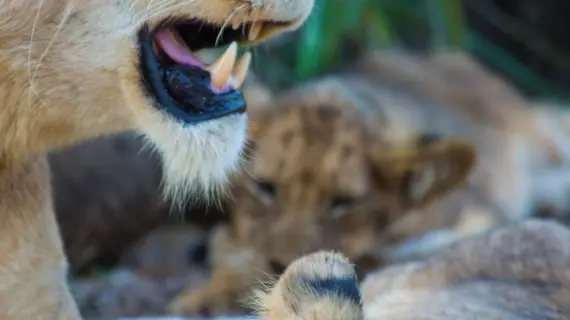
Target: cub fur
{"type": "Point", "coordinates": [71, 70]}
{"type": "Point", "coordinates": [325, 171]}
{"type": "Point", "coordinates": [524, 161]}
{"type": "Point", "coordinates": [318, 175]}
{"type": "Point", "coordinates": [526, 137]}
{"type": "Point", "coordinates": [515, 272]}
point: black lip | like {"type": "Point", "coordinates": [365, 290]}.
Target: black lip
{"type": "Point", "coordinates": [199, 103]}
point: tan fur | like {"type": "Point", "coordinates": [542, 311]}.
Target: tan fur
{"type": "Point", "coordinates": [523, 158]}
{"type": "Point", "coordinates": [295, 296]}
{"type": "Point", "coordinates": [107, 193]}
{"type": "Point", "coordinates": [460, 82]}
{"type": "Point", "coordinates": [516, 137]}
{"type": "Point", "coordinates": [339, 178]}
{"type": "Point", "coordinates": [516, 272]}
{"type": "Point", "coordinates": [69, 72]}
{"type": "Point", "coordinates": [298, 147]}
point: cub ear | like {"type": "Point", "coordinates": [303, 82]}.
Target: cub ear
{"type": "Point", "coordinates": [420, 174]}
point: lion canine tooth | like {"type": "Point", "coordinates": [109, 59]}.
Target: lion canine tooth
{"type": "Point", "coordinates": [240, 70]}
{"type": "Point", "coordinates": [254, 31]}
{"type": "Point", "coordinates": [236, 25]}
{"type": "Point", "coordinates": [221, 69]}
{"type": "Point", "coordinates": [232, 82]}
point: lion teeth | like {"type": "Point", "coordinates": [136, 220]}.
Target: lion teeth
{"type": "Point", "coordinates": [255, 30]}
{"type": "Point", "coordinates": [222, 68]}
{"type": "Point", "coordinates": [239, 73]}
{"type": "Point", "coordinates": [240, 70]}
{"type": "Point", "coordinates": [236, 25]}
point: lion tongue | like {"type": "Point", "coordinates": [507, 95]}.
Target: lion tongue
{"type": "Point", "coordinates": [225, 72]}
{"type": "Point", "coordinates": [169, 42]}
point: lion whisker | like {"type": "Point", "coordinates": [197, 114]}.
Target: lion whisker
{"type": "Point", "coordinates": [161, 8]}
{"type": "Point", "coordinates": [30, 79]}
{"type": "Point", "coordinates": [50, 44]}
{"type": "Point", "coordinates": [224, 25]}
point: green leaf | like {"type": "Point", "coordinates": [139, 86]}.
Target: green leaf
{"type": "Point", "coordinates": [309, 48]}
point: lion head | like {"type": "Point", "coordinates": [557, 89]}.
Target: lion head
{"type": "Point", "coordinates": [77, 69]}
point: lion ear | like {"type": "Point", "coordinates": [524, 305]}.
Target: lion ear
{"type": "Point", "coordinates": [419, 175]}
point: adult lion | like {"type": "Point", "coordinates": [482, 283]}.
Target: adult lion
{"type": "Point", "coordinates": [76, 69]}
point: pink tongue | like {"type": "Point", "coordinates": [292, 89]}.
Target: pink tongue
{"type": "Point", "coordinates": [175, 50]}
{"type": "Point", "coordinates": [180, 53]}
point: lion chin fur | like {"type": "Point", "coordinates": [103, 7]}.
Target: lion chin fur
{"type": "Point", "coordinates": [197, 170]}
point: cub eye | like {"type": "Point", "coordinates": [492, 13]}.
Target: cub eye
{"type": "Point", "coordinates": [266, 187]}
{"type": "Point", "coordinates": [342, 202]}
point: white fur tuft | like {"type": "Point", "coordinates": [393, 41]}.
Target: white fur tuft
{"type": "Point", "coordinates": [197, 159]}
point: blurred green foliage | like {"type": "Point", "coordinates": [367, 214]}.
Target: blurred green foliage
{"type": "Point", "coordinates": [339, 30]}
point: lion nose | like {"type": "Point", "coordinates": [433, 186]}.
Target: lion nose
{"type": "Point", "coordinates": [275, 17]}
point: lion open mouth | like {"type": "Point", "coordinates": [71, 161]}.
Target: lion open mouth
{"type": "Point", "coordinates": [183, 85]}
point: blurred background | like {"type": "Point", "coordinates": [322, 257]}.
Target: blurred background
{"type": "Point", "coordinates": [524, 41]}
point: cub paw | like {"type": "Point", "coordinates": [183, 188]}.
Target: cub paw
{"type": "Point", "coordinates": [318, 286]}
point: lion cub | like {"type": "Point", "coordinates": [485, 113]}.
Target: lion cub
{"type": "Point", "coordinates": [325, 171]}
{"type": "Point", "coordinates": [517, 272]}
{"type": "Point", "coordinates": [355, 162]}
{"type": "Point", "coordinates": [523, 157]}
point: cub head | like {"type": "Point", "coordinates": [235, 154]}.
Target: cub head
{"type": "Point", "coordinates": [73, 69]}
{"type": "Point", "coordinates": [318, 178]}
